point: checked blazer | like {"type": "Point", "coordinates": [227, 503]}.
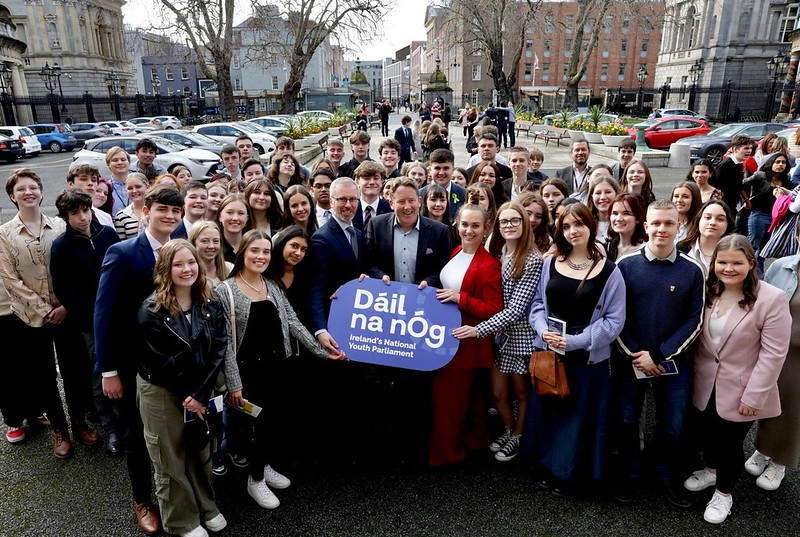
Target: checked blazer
{"type": "Point", "coordinates": [512, 320]}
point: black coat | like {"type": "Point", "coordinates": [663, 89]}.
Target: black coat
{"type": "Point", "coordinates": [182, 357]}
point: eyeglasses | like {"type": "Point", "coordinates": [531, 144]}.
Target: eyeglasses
{"type": "Point", "coordinates": [322, 186]}
{"type": "Point", "coordinates": [345, 201]}
{"type": "Point", "coordinates": [512, 222]}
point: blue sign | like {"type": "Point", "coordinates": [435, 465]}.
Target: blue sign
{"type": "Point", "coordinates": [395, 325]}
{"type": "Point", "coordinates": [241, 109]}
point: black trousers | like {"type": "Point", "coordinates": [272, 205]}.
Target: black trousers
{"type": "Point", "coordinates": [723, 445]}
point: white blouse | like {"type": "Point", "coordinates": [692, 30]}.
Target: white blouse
{"type": "Point", "coordinates": [452, 274]}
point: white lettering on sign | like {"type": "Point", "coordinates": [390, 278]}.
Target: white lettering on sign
{"type": "Point", "coordinates": [417, 326]}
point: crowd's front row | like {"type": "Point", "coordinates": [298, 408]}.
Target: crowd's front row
{"type": "Point", "coordinates": [161, 337]}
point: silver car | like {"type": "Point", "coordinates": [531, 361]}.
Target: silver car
{"type": "Point", "coordinates": [169, 154]}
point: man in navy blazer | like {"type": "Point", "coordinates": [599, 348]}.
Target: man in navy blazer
{"type": "Point", "coordinates": [405, 138]}
{"type": "Point", "coordinates": [442, 166]}
{"type": "Point", "coordinates": [126, 280]}
{"type": "Point", "coordinates": [369, 178]}
{"type": "Point", "coordinates": [576, 175]}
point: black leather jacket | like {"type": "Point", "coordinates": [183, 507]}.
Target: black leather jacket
{"type": "Point", "coordinates": [182, 358]}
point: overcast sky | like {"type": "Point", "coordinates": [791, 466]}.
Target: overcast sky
{"type": "Point", "coordinates": [403, 25]}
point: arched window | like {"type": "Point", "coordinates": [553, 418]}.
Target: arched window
{"type": "Point", "coordinates": [52, 35]}
{"type": "Point", "coordinates": [692, 22]}
{"type": "Point", "coordinates": [744, 24]}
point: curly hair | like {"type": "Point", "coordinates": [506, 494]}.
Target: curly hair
{"type": "Point", "coordinates": [165, 287]}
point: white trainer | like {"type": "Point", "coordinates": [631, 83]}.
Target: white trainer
{"type": "Point", "coordinates": [718, 508]}
{"type": "Point", "coordinates": [772, 477]}
{"type": "Point", "coordinates": [259, 491]}
{"type": "Point", "coordinates": [700, 480]}
{"type": "Point", "coordinates": [756, 464]}
{"type": "Point", "coordinates": [217, 523]}
{"type": "Point", "coordinates": [275, 479]}
{"type": "Point", "coordinates": [199, 531]}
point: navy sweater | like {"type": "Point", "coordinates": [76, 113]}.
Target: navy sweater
{"type": "Point", "coordinates": [665, 301]}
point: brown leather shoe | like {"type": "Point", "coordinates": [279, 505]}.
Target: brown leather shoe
{"type": "Point", "coordinates": [148, 518]}
{"type": "Point", "coordinates": [86, 434]}
{"type": "Point", "coordinates": [62, 445]}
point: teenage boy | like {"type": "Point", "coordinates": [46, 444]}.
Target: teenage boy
{"type": "Point", "coordinates": [252, 169]}
{"type": "Point", "coordinates": [230, 157]}
{"type": "Point", "coordinates": [405, 138]}
{"type": "Point", "coordinates": [126, 279]}
{"type": "Point", "coordinates": [146, 151]}
{"type": "Point", "coordinates": [85, 177]}
{"type": "Point", "coordinates": [518, 159]}
{"type": "Point", "coordinates": [535, 173]}
{"type": "Point", "coordinates": [389, 154]}
{"type": "Point", "coordinates": [442, 165]}
{"type": "Point", "coordinates": [246, 148]}
{"type": "Point", "coordinates": [730, 172]}
{"type": "Point", "coordinates": [487, 151]}
{"type": "Point", "coordinates": [665, 293]}
{"type": "Point", "coordinates": [359, 143]}
{"type": "Point", "coordinates": [335, 153]}
{"type": "Point", "coordinates": [195, 203]}
{"type": "Point", "coordinates": [626, 149]}
{"type": "Point", "coordinates": [369, 178]}
{"type": "Point", "coordinates": [75, 260]}
{"type": "Point", "coordinates": [321, 181]}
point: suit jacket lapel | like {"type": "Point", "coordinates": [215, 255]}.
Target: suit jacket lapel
{"type": "Point", "coordinates": [735, 318]}
{"type": "Point", "coordinates": [145, 250]}
{"type": "Point", "coordinates": [422, 243]}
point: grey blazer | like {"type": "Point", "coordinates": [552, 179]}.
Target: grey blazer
{"type": "Point", "coordinates": [240, 314]}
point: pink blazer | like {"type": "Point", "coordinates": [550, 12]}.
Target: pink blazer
{"type": "Point", "coordinates": [751, 353]}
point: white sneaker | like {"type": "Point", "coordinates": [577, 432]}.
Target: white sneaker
{"type": "Point", "coordinates": [217, 523]}
{"type": "Point", "coordinates": [259, 491]}
{"type": "Point", "coordinates": [718, 508]}
{"type": "Point", "coordinates": [772, 477]}
{"type": "Point", "coordinates": [275, 479]}
{"type": "Point", "coordinates": [199, 531]}
{"type": "Point", "coordinates": [756, 464]}
{"type": "Point", "coordinates": [500, 441]}
{"type": "Point", "coordinates": [700, 480]}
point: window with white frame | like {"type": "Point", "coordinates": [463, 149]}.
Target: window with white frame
{"type": "Point", "coordinates": [548, 23]}
{"type": "Point", "coordinates": [623, 48]}
{"type": "Point", "coordinates": [789, 20]}
{"type": "Point", "coordinates": [168, 73]}
{"type": "Point", "coordinates": [476, 72]}
{"type": "Point", "coordinates": [569, 25]}
{"type": "Point", "coordinates": [153, 73]}
{"type": "Point", "coordinates": [645, 45]}
{"type": "Point", "coordinates": [545, 72]}
{"type": "Point", "coordinates": [274, 82]}
{"type": "Point", "coordinates": [547, 48]}
{"type": "Point", "coordinates": [184, 73]}
{"type": "Point", "coordinates": [621, 72]}
{"type": "Point", "coordinates": [604, 72]}
{"type": "Point", "coordinates": [528, 72]}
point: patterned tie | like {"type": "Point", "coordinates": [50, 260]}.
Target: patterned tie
{"type": "Point", "coordinates": [367, 215]}
{"type": "Point", "coordinates": [353, 242]}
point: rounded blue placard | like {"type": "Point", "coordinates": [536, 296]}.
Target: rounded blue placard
{"type": "Point", "coordinates": [396, 325]}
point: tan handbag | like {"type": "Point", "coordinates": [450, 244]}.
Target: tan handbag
{"type": "Point", "coordinates": [548, 374]}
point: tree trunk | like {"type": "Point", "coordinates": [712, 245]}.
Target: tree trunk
{"type": "Point", "coordinates": [570, 101]}
{"type": "Point", "coordinates": [289, 95]}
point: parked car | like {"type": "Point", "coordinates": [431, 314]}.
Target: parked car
{"type": "Point", "coordinates": [11, 149]}
{"type": "Point", "coordinates": [120, 128]}
{"type": "Point", "coordinates": [29, 141]}
{"type": "Point", "coordinates": [170, 122]}
{"type": "Point", "coordinates": [274, 125]}
{"type": "Point", "coordinates": [55, 136]}
{"type": "Point", "coordinates": [148, 123]}
{"type": "Point", "coordinates": [87, 131]}
{"type": "Point", "coordinates": [228, 132]}
{"type": "Point", "coordinates": [714, 144]}
{"type": "Point", "coordinates": [316, 114]}
{"type": "Point", "coordinates": [169, 154]}
{"type": "Point", "coordinates": [188, 138]}
{"type": "Point", "coordinates": [663, 132]}
{"type": "Point", "coordinates": [681, 112]}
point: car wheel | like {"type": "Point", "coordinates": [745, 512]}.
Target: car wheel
{"type": "Point", "coordinates": [55, 147]}
{"type": "Point", "coordinates": [35, 154]}
{"type": "Point", "coordinates": [170, 128]}
{"type": "Point", "coordinates": [258, 148]}
{"type": "Point", "coordinates": [715, 154]}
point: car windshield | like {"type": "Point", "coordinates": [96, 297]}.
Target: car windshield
{"type": "Point", "coordinates": [168, 145]}
{"type": "Point", "coordinates": [726, 130]}
{"type": "Point", "coordinates": [198, 138]}
{"type": "Point", "coordinates": [249, 128]}
{"type": "Point", "coordinates": [257, 127]}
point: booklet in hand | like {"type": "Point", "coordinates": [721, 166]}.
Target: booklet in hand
{"type": "Point", "coordinates": [554, 324]}
{"type": "Point", "coordinates": [670, 368]}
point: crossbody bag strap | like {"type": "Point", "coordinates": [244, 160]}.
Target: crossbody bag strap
{"type": "Point", "coordinates": [232, 334]}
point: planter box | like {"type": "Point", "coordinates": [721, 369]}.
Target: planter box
{"type": "Point", "coordinates": [594, 137]}
{"type": "Point", "coordinates": [576, 136]}
{"type": "Point", "coordinates": [612, 141]}
{"type": "Point", "coordinates": [302, 143]}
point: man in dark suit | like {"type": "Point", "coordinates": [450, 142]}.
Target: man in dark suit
{"type": "Point", "coordinates": [488, 149]}
{"type": "Point", "coordinates": [405, 138]}
{"type": "Point", "coordinates": [383, 112]}
{"type": "Point", "coordinates": [126, 279]}
{"type": "Point", "coordinates": [369, 178]}
{"type": "Point", "coordinates": [405, 247]}
{"type": "Point", "coordinates": [577, 174]}
{"type": "Point", "coordinates": [442, 164]}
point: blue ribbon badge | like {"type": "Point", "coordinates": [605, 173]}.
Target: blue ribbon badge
{"type": "Point", "coordinates": [395, 325]}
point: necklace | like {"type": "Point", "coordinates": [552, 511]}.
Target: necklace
{"type": "Point", "coordinates": [257, 290]}
{"type": "Point", "coordinates": [579, 266]}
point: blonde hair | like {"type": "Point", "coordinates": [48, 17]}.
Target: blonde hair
{"type": "Point", "coordinates": [113, 151]}
{"type": "Point", "coordinates": [219, 259]}
{"type": "Point", "coordinates": [165, 287]}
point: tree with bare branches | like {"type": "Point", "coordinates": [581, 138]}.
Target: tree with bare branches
{"type": "Point", "coordinates": [590, 12]}
{"type": "Point", "coordinates": [296, 29]}
{"type": "Point", "coordinates": [498, 27]}
{"type": "Point", "coordinates": [207, 28]}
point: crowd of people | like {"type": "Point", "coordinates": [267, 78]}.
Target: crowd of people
{"type": "Point", "coordinates": [189, 318]}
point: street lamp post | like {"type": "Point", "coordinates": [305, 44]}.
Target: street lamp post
{"type": "Point", "coordinates": [642, 76]}
{"type": "Point", "coordinates": [5, 84]}
{"type": "Point", "coordinates": [695, 71]}
{"type": "Point", "coordinates": [113, 79]}
{"type": "Point", "coordinates": [777, 66]}
{"type": "Point", "coordinates": [157, 92]}
{"type": "Point", "coordinates": [51, 76]}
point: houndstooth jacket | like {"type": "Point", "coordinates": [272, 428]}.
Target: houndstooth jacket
{"type": "Point", "coordinates": [512, 320]}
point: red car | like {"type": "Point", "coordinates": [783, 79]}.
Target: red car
{"type": "Point", "coordinates": [664, 131]}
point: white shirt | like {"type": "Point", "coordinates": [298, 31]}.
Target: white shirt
{"type": "Point", "coordinates": [452, 275]}
{"type": "Point", "coordinates": [188, 225]}
{"type": "Point", "coordinates": [323, 215]}
{"type": "Point", "coordinates": [154, 244]}
{"type": "Point", "coordinates": [103, 217]}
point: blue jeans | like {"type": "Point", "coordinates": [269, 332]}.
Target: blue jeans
{"type": "Point", "coordinates": [671, 398]}
{"type": "Point", "coordinates": [757, 226]}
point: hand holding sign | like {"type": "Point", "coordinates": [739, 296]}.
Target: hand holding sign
{"type": "Point", "coordinates": [394, 324]}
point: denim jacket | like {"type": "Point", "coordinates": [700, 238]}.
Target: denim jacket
{"type": "Point", "coordinates": [783, 274]}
